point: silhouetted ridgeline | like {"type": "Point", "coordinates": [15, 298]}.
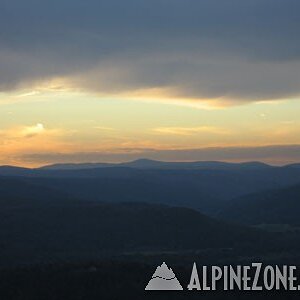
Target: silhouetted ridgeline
{"type": "Point", "coordinates": [39, 233]}
{"type": "Point", "coordinates": [205, 186]}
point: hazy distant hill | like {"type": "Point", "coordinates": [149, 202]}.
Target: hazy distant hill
{"type": "Point", "coordinates": [279, 206]}
{"type": "Point", "coordinates": [296, 165]}
{"type": "Point", "coordinates": [15, 171]}
{"type": "Point", "coordinates": [17, 192]}
{"type": "Point", "coordinates": [77, 166]}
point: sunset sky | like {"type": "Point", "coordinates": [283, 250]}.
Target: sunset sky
{"type": "Point", "coordinates": [175, 80]}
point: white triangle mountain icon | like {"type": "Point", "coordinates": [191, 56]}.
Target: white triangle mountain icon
{"type": "Point", "coordinates": [164, 279]}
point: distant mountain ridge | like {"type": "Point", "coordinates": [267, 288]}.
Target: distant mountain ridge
{"type": "Point", "coordinates": [155, 164]}
{"type": "Point", "coordinates": [202, 188]}
{"type": "Point", "coordinates": [146, 164]}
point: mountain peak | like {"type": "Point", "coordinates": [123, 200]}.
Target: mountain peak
{"type": "Point", "coordinates": [143, 162]}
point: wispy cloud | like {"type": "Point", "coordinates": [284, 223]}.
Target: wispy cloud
{"type": "Point", "coordinates": [104, 128]}
{"type": "Point", "coordinates": [31, 131]}
{"type": "Point", "coordinates": [191, 130]}
{"type": "Point", "coordinates": [19, 133]}
{"type": "Point", "coordinates": [28, 94]}
{"type": "Point", "coordinates": [30, 138]}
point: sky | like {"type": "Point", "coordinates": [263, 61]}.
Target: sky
{"type": "Point", "coordinates": [173, 80]}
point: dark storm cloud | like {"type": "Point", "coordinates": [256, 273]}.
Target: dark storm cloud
{"type": "Point", "coordinates": [244, 50]}
{"type": "Point", "coordinates": [281, 154]}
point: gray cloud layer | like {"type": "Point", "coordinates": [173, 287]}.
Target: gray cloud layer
{"type": "Point", "coordinates": [245, 50]}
